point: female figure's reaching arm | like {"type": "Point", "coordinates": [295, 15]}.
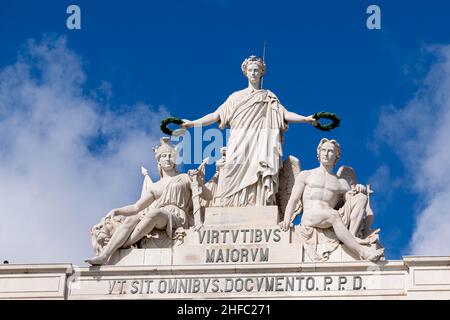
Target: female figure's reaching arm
{"type": "Point", "coordinates": [204, 121]}
{"type": "Point", "coordinates": [294, 117]}
{"type": "Point", "coordinates": [133, 209]}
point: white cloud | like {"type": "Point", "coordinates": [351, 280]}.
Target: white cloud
{"type": "Point", "coordinates": [419, 133]}
{"type": "Point", "coordinates": [65, 158]}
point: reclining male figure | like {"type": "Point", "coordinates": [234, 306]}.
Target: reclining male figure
{"type": "Point", "coordinates": [319, 190]}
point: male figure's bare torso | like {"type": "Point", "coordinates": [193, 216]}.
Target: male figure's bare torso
{"type": "Point", "coordinates": [322, 191]}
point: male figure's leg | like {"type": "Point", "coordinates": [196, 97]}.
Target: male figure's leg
{"type": "Point", "coordinates": [357, 207]}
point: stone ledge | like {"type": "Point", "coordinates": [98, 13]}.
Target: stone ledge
{"type": "Point", "coordinates": [386, 280]}
{"type": "Point", "coordinates": [34, 281]}
{"type": "Point", "coordinates": [349, 266]}
{"type": "Point", "coordinates": [36, 268]}
{"type": "Point", "coordinates": [427, 260]}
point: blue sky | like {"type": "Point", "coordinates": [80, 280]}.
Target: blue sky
{"type": "Point", "coordinates": [135, 62]}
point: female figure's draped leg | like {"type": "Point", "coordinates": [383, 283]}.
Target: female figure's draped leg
{"type": "Point", "coordinates": [265, 191]}
{"type": "Point", "coordinates": [155, 218]}
{"type": "Point", "coordinates": [243, 198]}
{"type": "Point", "coordinates": [257, 194]}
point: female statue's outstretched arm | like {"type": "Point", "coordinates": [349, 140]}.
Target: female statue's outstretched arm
{"type": "Point", "coordinates": [294, 117]}
{"type": "Point", "coordinates": [204, 121]}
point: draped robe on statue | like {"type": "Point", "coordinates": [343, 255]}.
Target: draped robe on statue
{"type": "Point", "coordinates": [176, 202]}
{"type": "Point", "coordinates": [254, 148]}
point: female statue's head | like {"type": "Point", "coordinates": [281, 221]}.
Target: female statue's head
{"type": "Point", "coordinates": [253, 68]}
{"type": "Point", "coordinates": [166, 156]}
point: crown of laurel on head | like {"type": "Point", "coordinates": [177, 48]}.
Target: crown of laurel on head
{"type": "Point", "coordinates": [253, 59]}
{"type": "Point", "coordinates": [165, 147]}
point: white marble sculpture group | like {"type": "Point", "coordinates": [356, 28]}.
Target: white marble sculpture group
{"type": "Point", "coordinates": [335, 209]}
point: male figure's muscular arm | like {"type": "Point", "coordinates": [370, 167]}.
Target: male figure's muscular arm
{"type": "Point", "coordinates": [296, 195]}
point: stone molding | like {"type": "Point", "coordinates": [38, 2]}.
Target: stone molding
{"type": "Point", "coordinates": [413, 277]}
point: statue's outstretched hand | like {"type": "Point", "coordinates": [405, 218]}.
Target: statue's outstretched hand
{"type": "Point", "coordinates": [197, 227]}
{"type": "Point", "coordinates": [193, 172]}
{"type": "Point", "coordinates": [284, 225]}
{"type": "Point", "coordinates": [111, 214]}
{"type": "Point", "coordinates": [187, 124]}
{"type": "Point", "coordinates": [359, 188]}
{"type": "Point", "coordinates": [313, 121]}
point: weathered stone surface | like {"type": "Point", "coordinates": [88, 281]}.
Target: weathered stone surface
{"type": "Point", "coordinates": [223, 244]}
{"type": "Point", "coordinates": [139, 257]}
{"type": "Point", "coordinates": [253, 216]}
{"type": "Point", "coordinates": [44, 281]}
{"type": "Point", "coordinates": [410, 278]}
{"type": "Point", "coordinates": [340, 280]}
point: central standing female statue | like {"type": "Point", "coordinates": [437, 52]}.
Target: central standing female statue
{"type": "Point", "coordinates": [254, 149]}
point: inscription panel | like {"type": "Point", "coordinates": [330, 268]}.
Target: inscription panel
{"type": "Point", "coordinates": [237, 245]}
{"type": "Point", "coordinates": [217, 286]}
